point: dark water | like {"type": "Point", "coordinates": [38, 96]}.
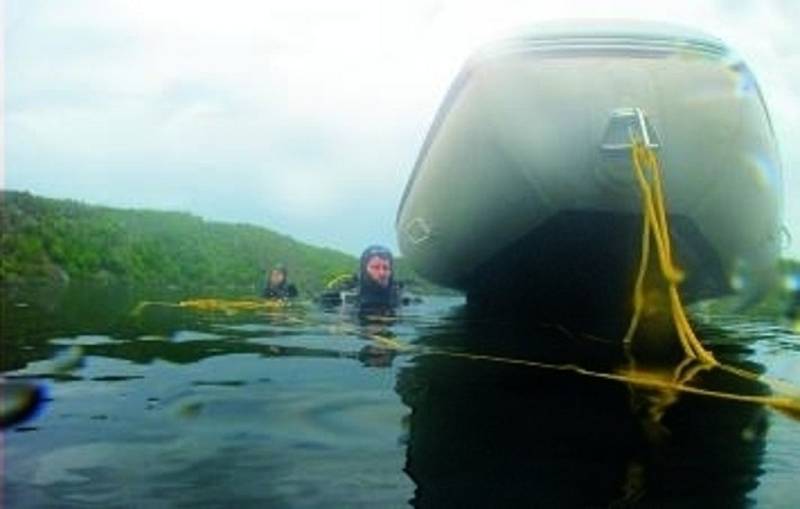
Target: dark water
{"type": "Point", "coordinates": [300, 408]}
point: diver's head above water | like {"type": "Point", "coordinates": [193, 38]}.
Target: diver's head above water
{"type": "Point", "coordinates": [277, 284]}
{"type": "Point", "coordinates": [376, 267]}
{"type": "Point", "coordinates": [376, 277]}
{"type": "Point", "coordinates": [277, 277]}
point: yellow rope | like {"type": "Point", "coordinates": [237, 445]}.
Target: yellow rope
{"type": "Point", "coordinates": [233, 305]}
{"type": "Point", "coordinates": [336, 280]}
{"type": "Point", "coordinates": [643, 379]}
{"type": "Point", "coordinates": [638, 291]}
{"type": "Point", "coordinates": [222, 305]}
{"type": "Point", "coordinates": [386, 342]}
{"type": "Point", "coordinates": [649, 176]}
{"type": "Point", "coordinates": [788, 405]}
{"type": "Point", "coordinates": [647, 171]}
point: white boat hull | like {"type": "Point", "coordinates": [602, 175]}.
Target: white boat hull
{"type": "Point", "coordinates": [531, 129]}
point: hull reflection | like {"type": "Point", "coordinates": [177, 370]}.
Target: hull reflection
{"type": "Point", "coordinates": [488, 434]}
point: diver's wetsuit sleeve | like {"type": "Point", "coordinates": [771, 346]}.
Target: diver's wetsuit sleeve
{"type": "Point", "coordinates": [291, 291]}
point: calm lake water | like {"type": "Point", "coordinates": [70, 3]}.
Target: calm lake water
{"type": "Point", "coordinates": [174, 407]}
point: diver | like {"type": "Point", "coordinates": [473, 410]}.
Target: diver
{"type": "Point", "coordinates": [277, 285]}
{"type": "Point", "coordinates": [372, 290]}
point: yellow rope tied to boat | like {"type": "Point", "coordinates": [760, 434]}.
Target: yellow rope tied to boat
{"type": "Point", "coordinates": [649, 177]}
{"type": "Point", "coordinates": [647, 171]}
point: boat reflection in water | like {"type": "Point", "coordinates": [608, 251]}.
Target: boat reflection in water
{"type": "Point", "coordinates": [494, 434]}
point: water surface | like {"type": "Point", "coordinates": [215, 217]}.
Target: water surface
{"type": "Point", "coordinates": [298, 407]}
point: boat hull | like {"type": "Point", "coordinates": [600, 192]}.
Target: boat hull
{"type": "Point", "coordinates": [525, 186]}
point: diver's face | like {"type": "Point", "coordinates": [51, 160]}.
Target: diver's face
{"type": "Point", "coordinates": [276, 278]}
{"type": "Point", "coordinates": [379, 270]}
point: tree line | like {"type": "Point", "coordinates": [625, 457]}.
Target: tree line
{"type": "Point", "coordinates": [60, 240]}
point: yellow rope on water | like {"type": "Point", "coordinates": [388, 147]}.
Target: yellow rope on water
{"type": "Point", "coordinates": [233, 305]}
{"type": "Point", "coordinates": [338, 279]}
{"type": "Point", "coordinates": [220, 305]}
{"type": "Point", "coordinates": [784, 403]}
{"type": "Point", "coordinates": [788, 405]}
{"type": "Point", "coordinates": [386, 342]}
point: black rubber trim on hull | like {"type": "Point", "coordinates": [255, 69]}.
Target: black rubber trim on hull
{"type": "Point", "coordinates": [580, 267]}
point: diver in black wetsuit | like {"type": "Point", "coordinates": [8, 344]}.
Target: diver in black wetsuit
{"type": "Point", "coordinates": [277, 285]}
{"type": "Point", "coordinates": [372, 291]}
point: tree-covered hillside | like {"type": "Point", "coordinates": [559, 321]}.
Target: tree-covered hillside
{"type": "Point", "coordinates": [60, 240]}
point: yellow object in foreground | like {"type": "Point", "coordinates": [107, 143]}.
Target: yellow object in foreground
{"type": "Point", "coordinates": [228, 306]}
{"type": "Point", "coordinates": [233, 305]}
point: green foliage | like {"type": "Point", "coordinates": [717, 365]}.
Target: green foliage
{"type": "Point", "coordinates": [60, 239]}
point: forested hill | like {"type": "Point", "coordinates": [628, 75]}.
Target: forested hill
{"type": "Point", "coordinates": [61, 240]}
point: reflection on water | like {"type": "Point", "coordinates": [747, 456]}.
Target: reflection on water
{"type": "Point", "coordinates": [300, 408]}
{"type": "Point", "coordinates": [486, 434]}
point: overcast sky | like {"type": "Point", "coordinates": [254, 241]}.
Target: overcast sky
{"type": "Point", "coordinates": [298, 115]}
